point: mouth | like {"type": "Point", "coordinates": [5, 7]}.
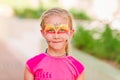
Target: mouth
{"type": "Point", "coordinates": [56, 41]}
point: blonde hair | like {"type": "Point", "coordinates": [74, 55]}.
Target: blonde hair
{"type": "Point", "coordinates": [58, 12]}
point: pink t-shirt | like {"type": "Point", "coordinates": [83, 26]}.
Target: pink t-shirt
{"type": "Point", "coordinates": [46, 67]}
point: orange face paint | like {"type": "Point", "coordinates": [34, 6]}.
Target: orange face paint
{"type": "Point", "coordinates": [59, 29]}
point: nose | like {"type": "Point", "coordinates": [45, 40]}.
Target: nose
{"type": "Point", "coordinates": [56, 35]}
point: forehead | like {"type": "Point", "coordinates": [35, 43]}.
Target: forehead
{"type": "Point", "coordinates": [56, 20]}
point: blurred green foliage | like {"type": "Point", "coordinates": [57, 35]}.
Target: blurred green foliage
{"type": "Point", "coordinates": [106, 47]}
{"type": "Point", "coordinates": [36, 13]}
{"type": "Point", "coordinates": [80, 14]}
{"type": "Point", "coordinates": [29, 12]}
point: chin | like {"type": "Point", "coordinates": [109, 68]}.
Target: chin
{"type": "Point", "coordinates": [57, 47]}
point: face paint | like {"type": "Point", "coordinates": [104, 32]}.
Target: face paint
{"type": "Point", "coordinates": [59, 29]}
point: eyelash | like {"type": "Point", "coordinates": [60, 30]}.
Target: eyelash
{"type": "Point", "coordinates": [50, 30]}
{"type": "Point", "coordinates": [53, 31]}
{"type": "Point", "coordinates": [62, 31]}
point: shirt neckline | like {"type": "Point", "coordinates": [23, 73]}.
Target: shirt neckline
{"type": "Point", "coordinates": [55, 57]}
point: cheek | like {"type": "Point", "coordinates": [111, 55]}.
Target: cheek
{"type": "Point", "coordinates": [48, 37]}
{"type": "Point", "coordinates": [65, 36]}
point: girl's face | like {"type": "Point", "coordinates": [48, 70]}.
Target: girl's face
{"type": "Point", "coordinates": [57, 32]}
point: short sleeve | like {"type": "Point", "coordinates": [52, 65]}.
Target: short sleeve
{"type": "Point", "coordinates": [32, 62]}
{"type": "Point", "coordinates": [79, 66]}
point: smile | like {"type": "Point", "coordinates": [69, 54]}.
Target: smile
{"type": "Point", "coordinates": [57, 41]}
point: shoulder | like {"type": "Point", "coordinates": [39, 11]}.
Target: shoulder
{"type": "Point", "coordinates": [32, 62]}
{"type": "Point", "coordinates": [36, 58]}
{"type": "Point", "coordinates": [78, 65]}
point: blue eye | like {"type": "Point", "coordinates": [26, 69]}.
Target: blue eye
{"type": "Point", "coordinates": [50, 31]}
{"type": "Point", "coordinates": [62, 30]}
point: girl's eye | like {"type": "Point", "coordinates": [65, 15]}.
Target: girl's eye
{"type": "Point", "coordinates": [50, 31]}
{"type": "Point", "coordinates": [62, 31]}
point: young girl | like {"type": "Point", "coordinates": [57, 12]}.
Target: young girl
{"type": "Point", "coordinates": [55, 63]}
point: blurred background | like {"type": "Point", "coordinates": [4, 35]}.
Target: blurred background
{"type": "Point", "coordinates": [96, 42]}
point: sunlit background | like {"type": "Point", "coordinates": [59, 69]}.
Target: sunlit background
{"type": "Point", "coordinates": [96, 41]}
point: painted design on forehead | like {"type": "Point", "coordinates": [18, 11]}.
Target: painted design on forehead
{"type": "Point", "coordinates": [50, 28]}
{"type": "Point", "coordinates": [56, 26]}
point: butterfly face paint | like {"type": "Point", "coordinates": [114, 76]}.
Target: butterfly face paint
{"type": "Point", "coordinates": [59, 29]}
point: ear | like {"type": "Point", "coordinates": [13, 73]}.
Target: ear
{"type": "Point", "coordinates": [71, 32]}
{"type": "Point", "coordinates": [42, 32]}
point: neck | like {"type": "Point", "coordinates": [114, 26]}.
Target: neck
{"type": "Point", "coordinates": [56, 53]}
